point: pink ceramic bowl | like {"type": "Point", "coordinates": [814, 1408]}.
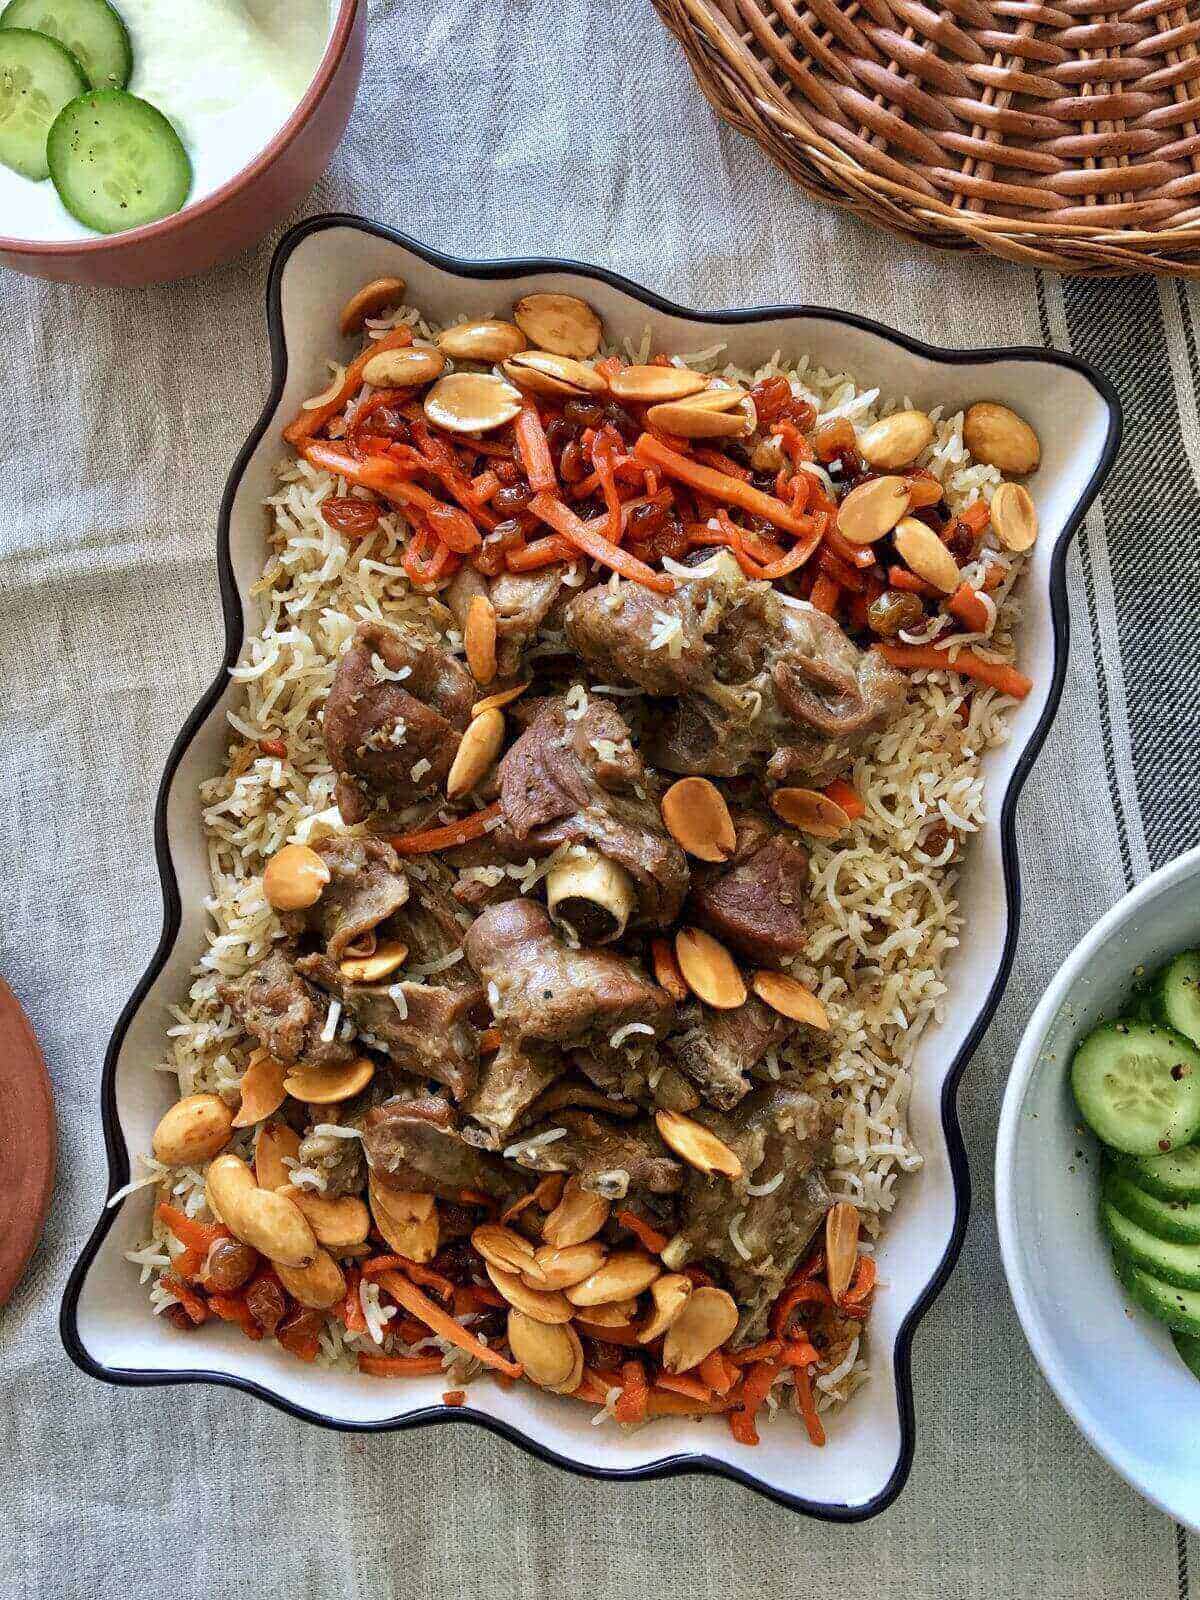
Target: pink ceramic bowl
{"type": "Point", "coordinates": [230, 219]}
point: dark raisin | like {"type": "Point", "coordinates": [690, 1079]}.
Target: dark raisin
{"type": "Point", "coordinates": [894, 610]}
{"type": "Point", "coordinates": [228, 1265]}
{"type": "Point", "coordinates": [574, 465]}
{"type": "Point", "coordinates": [512, 498]}
{"type": "Point", "coordinates": [586, 413]}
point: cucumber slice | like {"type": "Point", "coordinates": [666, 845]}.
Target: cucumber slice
{"type": "Point", "coordinates": [1177, 1264]}
{"type": "Point", "coordinates": [1138, 1087]}
{"type": "Point", "coordinates": [1171, 1177]}
{"type": "Point", "coordinates": [1178, 1308]}
{"type": "Point", "coordinates": [38, 76]}
{"type": "Point", "coordinates": [1176, 995]}
{"type": "Point", "coordinates": [117, 162]}
{"type": "Point", "coordinates": [90, 29]}
{"type": "Point", "coordinates": [1188, 1345]}
{"type": "Point", "coordinates": [1169, 1219]}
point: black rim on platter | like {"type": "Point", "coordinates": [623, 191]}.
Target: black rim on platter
{"type": "Point", "coordinates": [118, 1155]}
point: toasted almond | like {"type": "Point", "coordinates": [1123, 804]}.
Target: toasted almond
{"type": "Point", "coordinates": [651, 385]}
{"type": "Point", "coordinates": [572, 1381]}
{"type": "Point", "coordinates": [998, 437]}
{"type": "Point", "coordinates": [408, 1222]}
{"type": "Point", "coordinates": [388, 956]}
{"type": "Point", "coordinates": [923, 552]}
{"type": "Point", "coordinates": [486, 339]}
{"type": "Point", "coordinates": [503, 1247]}
{"type": "Point", "coordinates": [570, 1264]}
{"type": "Point", "coordinates": [193, 1130]}
{"type": "Point", "coordinates": [697, 1145]}
{"type": "Point", "coordinates": [895, 441]}
{"type": "Point", "coordinates": [476, 753]}
{"type": "Point", "coordinates": [262, 1089]}
{"type": "Point", "coordinates": [545, 1350]}
{"type": "Point", "coordinates": [369, 302]}
{"type": "Point", "coordinates": [1014, 517]}
{"type": "Point", "coordinates": [873, 509]}
{"type": "Point", "coordinates": [471, 402]}
{"type": "Point", "coordinates": [340, 1222]}
{"type": "Point", "coordinates": [698, 819]}
{"type": "Point", "coordinates": [502, 697]}
{"type": "Point", "coordinates": [543, 1305]}
{"type": "Point", "coordinates": [295, 878]}
{"type": "Point", "coordinates": [706, 1321]}
{"type": "Point", "coordinates": [688, 419]}
{"type": "Point", "coordinates": [275, 1141]}
{"type": "Point", "coordinates": [709, 971]}
{"type": "Point", "coordinates": [670, 1294]}
{"type": "Point", "coordinates": [578, 1216]}
{"type": "Point", "coordinates": [790, 998]}
{"type": "Point", "coordinates": [625, 1273]}
{"type": "Point", "coordinates": [323, 1086]}
{"type": "Point", "coordinates": [320, 1284]}
{"type": "Point", "coordinates": [615, 1314]}
{"type": "Point", "coordinates": [841, 1246]}
{"type": "Point", "coordinates": [810, 811]}
{"type": "Point", "coordinates": [411, 367]}
{"type": "Point", "coordinates": [667, 973]}
{"type": "Point", "coordinates": [479, 638]}
{"type": "Point", "coordinates": [542, 372]}
{"type": "Point", "coordinates": [561, 323]}
{"type": "Point", "coordinates": [720, 397]}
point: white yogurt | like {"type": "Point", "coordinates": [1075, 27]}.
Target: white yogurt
{"type": "Point", "coordinates": [228, 73]}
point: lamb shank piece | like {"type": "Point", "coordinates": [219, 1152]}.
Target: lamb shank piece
{"type": "Point", "coordinates": [750, 674]}
{"type": "Point", "coordinates": [757, 906]}
{"type": "Point", "coordinates": [576, 779]}
{"type": "Point", "coordinates": [607, 1157]}
{"type": "Point", "coordinates": [718, 1050]}
{"type": "Point", "coordinates": [365, 888]}
{"type": "Point", "coordinates": [509, 1084]}
{"type": "Point", "coordinates": [285, 1013]}
{"type": "Point", "coordinates": [379, 729]}
{"type": "Point", "coordinates": [522, 601]}
{"type": "Point", "coordinates": [415, 1145]}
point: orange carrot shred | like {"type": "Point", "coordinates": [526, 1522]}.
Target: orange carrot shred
{"type": "Point", "coordinates": [682, 1384]}
{"type": "Point", "coordinates": [647, 1236]}
{"type": "Point", "coordinates": [812, 1421]}
{"type": "Point", "coordinates": [309, 423]}
{"type": "Point", "coordinates": [398, 1366]}
{"type": "Point", "coordinates": [631, 1407]}
{"type": "Point", "coordinates": [426, 840]}
{"type": "Point", "coordinates": [420, 1305]}
{"type": "Point", "coordinates": [720, 486]}
{"type": "Point", "coordinates": [996, 674]}
{"type": "Point", "coordinates": [535, 450]}
{"type": "Point", "coordinates": [842, 794]}
{"type": "Point", "coordinates": [966, 607]}
{"type": "Point", "coordinates": [564, 521]}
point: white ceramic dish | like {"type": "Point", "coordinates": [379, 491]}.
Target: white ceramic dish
{"type": "Point", "coordinates": [1113, 1367]}
{"type": "Point", "coordinates": [105, 1322]}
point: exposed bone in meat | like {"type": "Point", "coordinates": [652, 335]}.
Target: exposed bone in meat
{"type": "Point", "coordinates": [509, 1084]}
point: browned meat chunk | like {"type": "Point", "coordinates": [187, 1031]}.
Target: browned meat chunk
{"type": "Point", "coordinates": [718, 1050]}
{"type": "Point", "coordinates": [578, 780]}
{"type": "Point", "coordinates": [285, 1014]}
{"type": "Point", "coordinates": [544, 992]}
{"type": "Point", "coordinates": [415, 1145]}
{"type": "Point", "coordinates": [522, 601]}
{"type": "Point", "coordinates": [758, 906]}
{"type": "Point", "coordinates": [509, 1084]}
{"type": "Point", "coordinates": [608, 1158]}
{"type": "Point", "coordinates": [366, 887]}
{"type": "Point", "coordinates": [572, 1091]}
{"type": "Point", "coordinates": [750, 674]}
{"type": "Point", "coordinates": [378, 729]}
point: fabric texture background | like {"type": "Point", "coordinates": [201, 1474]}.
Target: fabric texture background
{"type": "Point", "coordinates": [493, 130]}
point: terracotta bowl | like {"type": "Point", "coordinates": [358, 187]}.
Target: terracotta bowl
{"type": "Point", "coordinates": [240, 212]}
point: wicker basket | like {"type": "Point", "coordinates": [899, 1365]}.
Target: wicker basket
{"type": "Point", "coordinates": [1058, 135]}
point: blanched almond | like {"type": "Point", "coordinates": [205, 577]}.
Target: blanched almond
{"type": "Point", "coordinates": [486, 339]}
{"type": "Point", "coordinates": [411, 367]}
{"type": "Point", "coordinates": [541, 1304]}
{"type": "Point", "coordinates": [895, 441]}
{"type": "Point", "coordinates": [872, 510]}
{"type": "Point", "coordinates": [615, 1314]}
{"type": "Point", "coordinates": [324, 1086]}
{"type": "Point", "coordinates": [790, 998]}
{"type": "Point", "coordinates": [320, 1285]}
{"type": "Point", "coordinates": [370, 301]}
{"type": "Point", "coordinates": [573, 1378]}
{"type": "Point", "coordinates": [652, 385]}
{"type": "Point", "coordinates": [841, 1246]}
{"type": "Point", "coordinates": [561, 323]}
{"type": "Point", "coordinates": [698, 819]}
{"type": "Point", "coordinates": [1014, 517]}
{"type": "Point", "coordinates": [408, 1222]}
{"type": "Point", "coordinates": [810, 811]}
{"type": "Point", "coordinates": [503, 1247]}
{"type": "Point", "coordinates": [703, 1326]}
{"type": "Point", "coordinates": [479, 638]}
{"type": "Point", "coordinates": [709, 971]}
{"type": "Point", "coordinates": [274, 1141]}
{"type": "Point", "coordinates": [560, 1268]}
{"type": "Point", "coordinates": [923, 552]}
{"type": "Point", "coordinates": [998, 437]}
{"type": "Point", "coordinates": [476, 753]}
{"type": "Point", "coordinates": [340, 1222]}
{"type": "Point", "coordinates": [546, 1351]}
{"type": "Point", "coordinates": [688, 420]}
{"type": "Point", "coordinates": [720, 397]}
{"type": "Point", "coordinates": [578, 1216]}
{"type": "Point", "coordinates": [388, 956]}
{"type": "Point", "coordinates": [697, 1145]}
{"type": "Point", "coordinates": [667, 973]}
{"type": "Point", "coordinates": [471, 402]}
{"type": "Point", "coordinates": [543, 372]}
{"type": "Point", "coordinates": [670, 1294]}
{"type": "Point", "coordinates": [193, 1130]}
{"type": "Point", "coordinates": [295, 878]}
{"type": "Point", "coordinates": [625, 1273]}
{"type": "Point", "coordinates": [262, 1089]}
{"type": "Point", "coordinates": [502, 697]}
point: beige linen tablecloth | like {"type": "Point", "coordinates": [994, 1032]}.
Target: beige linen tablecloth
{"type": "Point", "coordinates": [494, 129]}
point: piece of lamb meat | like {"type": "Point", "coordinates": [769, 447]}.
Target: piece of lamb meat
{"type": "Point", "coordinates": [367, 885]}
{"type": "Point", "coordinates": [379, 729]}
{"type": "Point", "coordinates": [718, 1050]}
{"type": "Point", "coordinates": [609, 1158]}
{"type": "Point", "coordinates": [285, 1013]}
{"type": "Point", "coordinates": [522, 601]}
{"type": "Point", "coordinates": [509, 1083]}
{"type": "Point", "coordinates": [576, 779]}
{"type": "Point", "coordinates": [757, 907]}
{"type": "Point", "coordinates": [415, 1145]}
{"type": "Point", "coordinates": [544, 992]}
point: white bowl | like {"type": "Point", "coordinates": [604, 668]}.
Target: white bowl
{"type": "Point", "coordinates": [1113, 1367]}
{"type": "Point", "coordinates": [105, 1322]}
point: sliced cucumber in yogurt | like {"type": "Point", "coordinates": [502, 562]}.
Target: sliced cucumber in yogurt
{"type": "Point", "coordinates": [117, 162]}
{"type": "Point", "coordinates": [90, 29]}
{"type": "Point", "coordinates": [38, 77]}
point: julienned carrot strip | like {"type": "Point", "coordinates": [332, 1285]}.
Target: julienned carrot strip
{"type": "Point", "coordinates": [309, 423]}
{"type": "Point", "coordinates": [718, 1372]}
{"type": "Point", "coordinates": [841, 793]}
{"type": "Point", "coordinates": [194, 1304]}
{"type": "Point", "coordinates": [767, 1350]}
{"type": "Point", "coordinates": [800, 1291]}
{"type": "Point", "coordinates": [635, 1392]}
{"type": "Point", "coordinates": [604, 458]}
{"type": "Point", "coordinates": [996, 674]}
{"type": "Point", "coordinates": [854, 555]}
{"type": "Point", "coordinates": [535, 450]}
{"type": "Point", "coordinates": [424, 841]}
{"type": "Point", "coordinates": [352, 1311]}
{"type": "Point", "coordinates": [807, 1407]}
{"type": "Point", "coordinates": [966, 606]}
{"type": "Point", "coordinates": [420, 1305]}
{"type": "Point", "coordinates": [195, 1235]}
{"type": "Point", "coordinates": [795, 557]}
{"type": "Point", "coordinates": [541, 553]}
{"type": "Point", "coordinates": [799, 1353]}
{"type": "Point", "coordinates": [233, 1308]}
{"type": "Point", "coordinates": [592, 1388]}
{"type": "Point", "coordinates": [754, 1388]}
{"type": "Point", "coordinates": [622, 1336]}
{"type": "Point", "coordinates": [692, 1387]}
{"type": "Point", "coordinates": [564, 521]}
{"type": "Point", "coordinates": [858, 1295]}
{"type": "Point", "coordinates": [484, 486]}
{"type": "Point", "coordinates": [902, 578]}
{"type": "Point", "coordinates": [720, 486]}
{"type": "Point", "coordinates": [825, 595]}
{"type": "Point", "coordinates": [398, 1366]}
{"type": "Point", "coordinates": [976, 516]}
{"type": "Point", "coordinates": [648, 1237]}
{"type": "Point", "coordinates": [661, 1404]}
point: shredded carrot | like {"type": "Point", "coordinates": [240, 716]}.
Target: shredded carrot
{"type": "Point", "coordinates": [535, 450]}
{"type": "Point", "coordinates": [648, 1237]}
{"type": "Point", "coordinates": [398, 1366]}
{"type": "Point", "coordinates": [604, 459]}
{"type": "Point", "coordinates": [996, 674]}
{"type": "Point", "coordinates": [766, 1350]}
{"type": "Point", "coordinates": [812, 1421]}
{"type": "Point", "coordinates": [420, 1305]}
{"type": "Point", "coordinates": [993, 576]}
{"type": "Point", "coordinates": [591, 1388]}
{"type": "Point", "coordinates": [965, 605]}
{"type": "Point", "coordinates": [749, 1396]}
{"type": "Point", "coordinates": [800, 1291]}
{"type": "Point", "coordinates": [856, 1300]}
{"type": "Point", "coordinates": [842, 573]}
{"type": "Point", "coordinates": [472, 1297]}
{"type": "Point", "coordinates": [564, 521]}
{"type": "Point", "coordinates": [351, 1311]}
{"type": "Point", "coordinates": [631, 1407]}
{"type": "Point", "coordinates": [309, 423]}
{"type": "Point", "coordinates": [902, 578]}
{"type": "Point", "coordinates": [842, 794]}
{"type": "Point", "coordinates": [194, 1304]}
{"type": "Point", "coordinates": [454, 1397]}
{"type": "Point", "coordinates": [195, 1235]}
{"type": "Point", "coordinates": [721, 486]}
{"type": "Point", "coordinates": [692, 1387]}
{"type": "Point", "coordinates": [720, 463]}
{"type": "Point", "coordinates": [661, 1404]}
{"type": "Point", "coordinates": [233, 1308]}
{"type": "Point", "coordinates": [426, 840]}
{"type": "Point", "coordinates": [187, 1264]}
{"type": "Point", "coordinates": [799, 1353]}
{"type": "Point", "coordinates": [436, 1281]}
{"type": "Point", "coordinates": [718, 1372]}
{"type": "Point", "coordinates": [825, 594]}
{"type": "Point", "coordinates": [861, 556]}
{"type": "Point", "coordinates": [622, 1336]}
{"type": "Point", "coordinates": [541, 553]}
{"type": "Point", "coordinates": [484, 486]}
{"type": "Point", "coordinates": [976, 516]}
{"type": "Point", "coordinates": [609, 367]}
